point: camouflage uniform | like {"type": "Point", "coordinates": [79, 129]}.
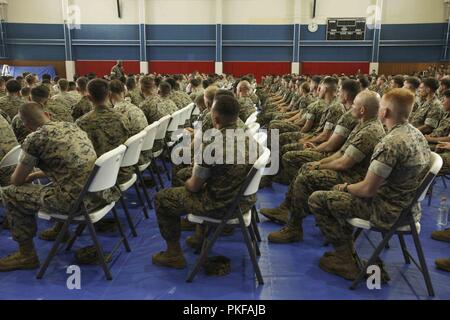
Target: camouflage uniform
{"type": "Point", "coordinates": [247, 108]}
{"type": "Point", "coordinates": [359, 147]}
{"type": "Point", "coordinates": [10, 105]}
{"type": "Point", "coordinates": [81, 108]}
{"type": "Point", "coordinates": [401, 158]}
{"type": "Point", "coordinates": [429, 113]}
{"type": "Point", "coordinates": [167, 106]}
{"type": "Point", "coordinates": [136, 97]}
{"type": "Point", "coordinates": [150, 108]}
{"type": "Point", "coordinates": [59, 111]}
{"type": "Point", "coordinates": [107, 129]}
{"type": "Point", "coordinates": [443, 130]}
{"type": "Point", "coordinates": [66, 99]}
{"type": "Point", "coordinates": [223, 182]}
{"type": "Point", "coordinates": [7, 142]}
{"type": "Point", "coordinates": [66, 162]}
{"type": "Point", "coordinates": [117, 71]}
{"type": "Point", "coordinates": [181, 99]}
{"type": "Point", "coordinates": [446, 166]}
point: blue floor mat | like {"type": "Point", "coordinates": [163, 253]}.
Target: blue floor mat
{"type": "Point", "coordinates": [289, 271]}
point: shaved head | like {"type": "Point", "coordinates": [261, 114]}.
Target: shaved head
{"type": "Point", "coordinates": [370, 101]}
{"type": "Point", "coordinates": [244, 86]}
{"type": "Point", "coordinates": [400, 102]}
{"type": "Point", "coordinates": [33, 115]}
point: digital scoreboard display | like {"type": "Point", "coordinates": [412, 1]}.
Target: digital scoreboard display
{"type": "Point", "coordinates": [347, 29]}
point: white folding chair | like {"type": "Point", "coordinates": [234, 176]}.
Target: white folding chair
{"type": "Point", "coordinates": [160, 138]}
{"type": "Point", "coordinates": [131, 159]}
{"type": "Point", "coordinates": [11, 158]}
{"type": "Point", "coordinates": [253, 128]}
{"type": "Point", "coordinates": [252, 118]}
{"type": "Point", "coordinates": [405, 225]}
{"type": "Point", "coordinates": [234, 217]}
{"type": "Point", "coordinates": [103, 177]}
{"type": "Point", "coordinates": [173, 126]}
{"type": "Point", "coordinates": [147, 147]}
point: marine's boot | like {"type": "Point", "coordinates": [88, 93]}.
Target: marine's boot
{"type": "Point", "coordinates": [170, 258]}
{"type": "Point", "coordinates": [52, 233]}
{"type": "Point", "coordinates": [287, 234]}
{"type": "Point", "coordinates": [25, 258]}
{"type": "Point", "coordinates": [196, 240]}
{"type": "Point", "coordinates": [278, 215]}
{"type": "Point", "coordinates": [443, 264]}
{"type": "Point", "coordinates": [341, 263]}
{"type": "Point", "coordinates": [443, 235]}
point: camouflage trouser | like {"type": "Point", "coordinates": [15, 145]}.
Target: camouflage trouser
{"type": "Point", "coordinates": [5, 176]}
{"type": "Point", "coordinates": [180, 174]}
{"type": "Point", "coordinates": [292, 162]}
{"type": "Point", "coordinates": [446, 166]}
{"type": "Point", "coordinates": [173, 203]}
{"type": "Point", "coordinates": [305, 183]}
{"type": "Point", "coordinates": [333, 208]}
{"type": "Point", "coordinates": [284, 126]}
{"type": "Point", "coordinates": [264, 118]}
{"type": "Point", "coordinates": [23, 202]}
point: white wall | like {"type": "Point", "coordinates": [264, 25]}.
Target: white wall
{"type": "Point", "coordinates": [234, 11]}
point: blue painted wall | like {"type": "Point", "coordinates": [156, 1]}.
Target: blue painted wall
{"type": "Point", "coordinates": [402, 43]}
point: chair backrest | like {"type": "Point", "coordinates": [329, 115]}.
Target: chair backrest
{"type": "Point", "coordinates": [195, 111]}
{"type": "Point", "coordinates": [11, 158]}
{"type": "Point", "coordinates": [258, 169]}
{"type": "Point", "coordinates": [189, 110]}
{"type": "Point", "coordinates": [162, 128]}
{"type": "Point", "coordinates": [175, 122]}
{"type": "Point", "coordinates": [149, 140]}
{"type": "Point", "coordinates": [134, 148]}
{"type": "Point", "coordinates": [252, 118]}
{"type": "Point", "coordinates": [436, 165]}
{"type": "Point", "coordinates": [253, 128]}
{"type": "Point", "coordinates": [106, 170]}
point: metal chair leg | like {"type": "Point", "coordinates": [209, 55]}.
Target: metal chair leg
{"type": "Point", "coordinates": [54, 248]}
{"type": "Point", "coordinates": [251, 251]}
{"type": "Point", "coordinates": [357, 233]}
{"type": "Point", "coordinates": [166, 170]}
{"type": "Point", "coordinates": [144, 189]}
{"type": "Point", "coordinates": [404, 249]}
{"type": "Point", "coordinates": [122, 234]}
{"type": "Point", "coordinates": [99, 250]}
{"type": "Point", "coordinates": [423, 263]}
{"type": "Point", "coordinates": [251, 231]}
{"type": "Point", "coordinates": [78, 232]}
{"type": "Point", "coordinates": [152, 175]}
{"type": "Point", "coordinates": [128, 216]}
{"type": "Point", "coordinates": [141, 201]}
{"type": "Point", "coordinates": [387, 244]}
{"type": "Point", "coordinates": [158, 174]}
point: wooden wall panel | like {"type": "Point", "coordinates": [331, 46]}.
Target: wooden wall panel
{"type": "Point", "coordinates": [404, 68]}
{"type": "Point", "coordinates": [60, 66]}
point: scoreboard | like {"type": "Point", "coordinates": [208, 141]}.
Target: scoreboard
{"type": "Point", "coordinates": [347, 29]}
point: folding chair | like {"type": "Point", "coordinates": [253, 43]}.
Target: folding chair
{"type": "Point", "coordinates": [131, 159]}
{"type": "Point", "coordinates": [405, 225]}
{"type": "Point", "coordinates": [252, 118]}
{"type": "Point", "coordinates": [161, 136]}
{"type": "Point", "coordinates": [149, 141]}
{"type": "Point", "coordinates": [253, 128]}
{"type": "Point", "coordinates": [103, 177]}
{"type": "Point", "coordinates": [234, 217]}
{"type": "Point", "coordinates": [430, 191]}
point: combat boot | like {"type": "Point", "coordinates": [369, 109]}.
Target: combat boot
{"type": "Point", "coordinates": [287, 234]}
{"type": "Point", "coordinates": [443, 264]}
{"type": "Point", "coordinates": [341, 262]}
{"type": "Point", "coordinates": [52, 233]}
{"type": "Point", "coordinates": [443, 235]}
{"type": "Point", "coordinates": [186, 225]}
{"type": "Point", "coordinates": [196, 240]}
{"type": "Point", "coordinates": [278, 215]}
{"type": "Point", "coordinates": [25, 258]}
{"type": "Point", "coordinates": [164, 259]}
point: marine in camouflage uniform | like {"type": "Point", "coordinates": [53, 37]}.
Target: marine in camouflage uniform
{"type": "Point", "coordinates": [67, 163]}
{"type": "Point", "coordinates": [180, 98]}
{"type": "Point", "coordinates": [136, 96]}
{"type": "Point", "coordinates": [247, 108]}
{"type": "Point", "coordinates": [359, 147]}
{"type": "Point", "coordinates": [7, 142]}
{"type": "Point", "coordinates": [150, 108]}
{"type": "Point", "coordinates": [401, 159]}
{"type": "Point", "coordinates": [66, 99]}
{"type": "Point", "coordinates": [223, 181]}
{"type": "Point", "coordinates": [167, 106]}
{"type": "Point", "coordinates": [429, 113]}
{"type": "Point", "coordinates": [10, 105]}
{"type": "Point", "coordinates": [81, 108]}
{"type": "Point", "coordinates": [59, 111]}
{"type": "Point", "coordinates": [107, 129]}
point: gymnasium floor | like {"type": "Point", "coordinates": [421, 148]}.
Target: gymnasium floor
{"type": "Point", "coordinates": [290, 271]}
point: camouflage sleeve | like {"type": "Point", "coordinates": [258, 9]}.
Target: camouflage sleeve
{"type": "Point", "coordinates": [311, 113]}
{"type": "Point", "coordinates": [30, 154]}
{"type": "Point", "coordinates": [361, 146]}
{"type": "Point", "coordinates": [434, 116]}
{"type": "Point", "coordinates": [332, 119]}
{"type": "Point", "coordinates": [383, 161]}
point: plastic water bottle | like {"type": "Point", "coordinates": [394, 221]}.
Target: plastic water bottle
{"type": "Point", "coordinates": [442, 218]}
